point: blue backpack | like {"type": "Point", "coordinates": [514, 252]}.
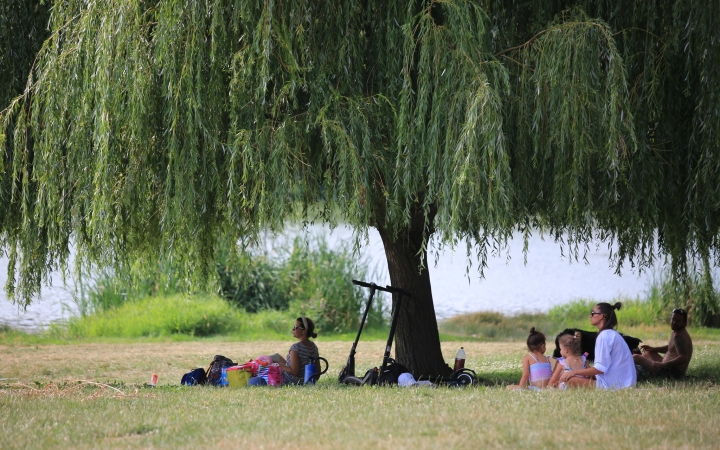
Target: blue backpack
{"type": "Point", "coordinates": [194, 377]}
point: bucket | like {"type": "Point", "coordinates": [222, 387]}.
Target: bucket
{"type": "Point", "coordinates": [237, 377]}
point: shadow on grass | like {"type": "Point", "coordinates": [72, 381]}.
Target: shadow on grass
{"type": "Point", "coordinates": [699, 380]}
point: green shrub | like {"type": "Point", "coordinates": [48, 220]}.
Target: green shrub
{"type": "Point", "coordinates": [697, 294]}
{"type": "Point", "coordinates": [306, 277]}
{"type": "Point", "coordinates": [252, 282]}
{"type": "Point", "coordinates": [318, 279]}
{"type": "Point", "coordinates": [105, 293]}
{"type": "Point", "coordinates": [110, 289]}
{"type": "Point", "coordinates": [197, 315]}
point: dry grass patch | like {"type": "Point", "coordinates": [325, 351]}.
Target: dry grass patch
{"type": "Point", "coordinates": [134, 363]}
{"type": "Point", "coordinates": [43, 406]}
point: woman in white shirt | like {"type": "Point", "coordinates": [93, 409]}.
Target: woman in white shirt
{"type": "Point", "coordinates": [614, 366]}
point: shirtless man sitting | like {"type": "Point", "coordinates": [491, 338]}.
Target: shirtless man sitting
{"type": "Point", "coordinates": [677, 353]}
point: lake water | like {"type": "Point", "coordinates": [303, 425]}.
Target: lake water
{"type": "Point", "coordinates": [55, 302]}
{"type": "Point", "coordinates": [509, 286]}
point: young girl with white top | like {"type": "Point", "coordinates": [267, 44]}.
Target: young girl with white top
{"type": "Point", "coordinates": [572, 359]}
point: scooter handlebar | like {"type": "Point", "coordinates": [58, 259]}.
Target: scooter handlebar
{"type": "Point", "coordinates": [387, 288]}
{"type": "Point", "coordinates": [364, 284]}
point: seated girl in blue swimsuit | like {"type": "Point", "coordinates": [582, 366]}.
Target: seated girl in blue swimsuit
{"type": "Point", "coordinates": [536, 366]}
{"type": "Point", "coordinates": [572, 359]}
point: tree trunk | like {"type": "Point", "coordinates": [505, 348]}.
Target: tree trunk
{"type": "Point", "coordinates": [417, 340]}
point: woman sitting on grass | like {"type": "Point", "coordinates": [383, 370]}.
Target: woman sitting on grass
{"type": "Point", "coordinates": [614, 365]}
{"type": "Point", "coordinates": [572, 359]}
{"type": "Point", "coordinates": [300, 354]}
{"type": "Point", "coordinates": [536, 366]}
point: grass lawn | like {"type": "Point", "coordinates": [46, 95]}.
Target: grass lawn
{"type": "Point", "coordinates": [49, 399]}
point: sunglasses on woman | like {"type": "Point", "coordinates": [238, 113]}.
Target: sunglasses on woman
{"type": "Point", "coordinates": [592, 313]}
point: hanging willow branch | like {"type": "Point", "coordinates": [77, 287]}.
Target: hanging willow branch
{"type": "Point", "coordinates": [151, 129]}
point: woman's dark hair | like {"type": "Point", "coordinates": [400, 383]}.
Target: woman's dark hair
{"type": "Point", "coordinates": [572, 342]}
{"type": "Point", "coordinates": [608, 311]}
{"type": "Point", "coordinates": [308, 325]}
{"type": "Point", "coordinates": [535, 340]}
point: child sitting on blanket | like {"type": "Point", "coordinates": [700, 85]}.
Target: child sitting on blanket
{"type": "Point", "coordinates": [572, 359]}
{"type": "Point", "coordinates": [536, 366]}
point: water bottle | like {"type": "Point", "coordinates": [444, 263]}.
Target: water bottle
{"type": "Point", "coordinates": [309, 372]}
{"type": "Point", "coordinates": [223, 378]}
{"type": "Point", "coordinates": [459, 359]}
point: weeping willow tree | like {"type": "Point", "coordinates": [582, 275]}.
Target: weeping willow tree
{"type": "Point", "coordinates": [151, 129]}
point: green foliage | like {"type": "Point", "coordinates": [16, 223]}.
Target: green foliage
{"type": "Point", "coordinates": [23, 29]}
{"type": "Point", "coordinates": [498, 326]}
{"type": "Point", "coordinates": [697, 294]}
{"type": "Point", "coordinates": [152, 128]}
{"type": "Point", "coordinates": [654, 309]}
{"type": "Point", "coordinates": [104, 294]}
{"type": "Point", "coordinates": [306, 277]}
{"type": "Point", "coordinates": [254, 282]}
{"type": "Point", "coordinates": [202, 315]}
{"type": "Point", "coordinates": [633, 313]}
{"type": "Point", "coordinates": [267, 324]}
{"type": "Point", "coordinates": [574, 313]}
{"type": "Point", "coordinates": [302, 277]}
{"type": "Point", "coordinates": [110, 288]}
{"type": "Point", "coordinates": [654, 186]}
{"type": "Point", "coordinates": [318, 280]}
{"type": "Point", "coordinates": [575, 123]}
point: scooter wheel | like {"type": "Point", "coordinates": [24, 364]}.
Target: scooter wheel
{"type": "Point", "coordinates": [465, 379]}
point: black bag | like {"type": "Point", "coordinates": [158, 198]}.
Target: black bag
{"type": "Point", "coordinates": [194, 377]}
{"type": "Point", "coordinates": [371, 377]}
{"type": "Point", "coordinates": [391, 373]}
{"type": "Point", "coordinates": [214, 372]}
